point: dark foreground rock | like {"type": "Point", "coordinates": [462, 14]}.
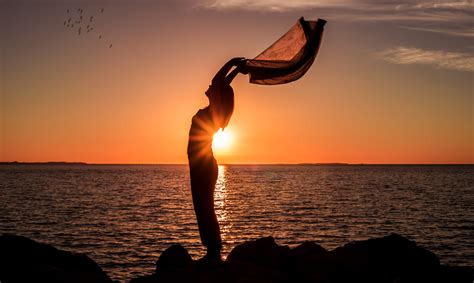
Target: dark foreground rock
{"type": "Point", "coordinates": [392, 259]}
{"type": "Point", "coordinates": [24, 260]}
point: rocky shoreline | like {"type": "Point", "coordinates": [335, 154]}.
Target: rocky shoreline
{"type": "Point", "coordinates": [389, 259]}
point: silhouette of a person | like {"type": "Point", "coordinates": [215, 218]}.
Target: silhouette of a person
{"type": "Point", "coordinates": [202, 164]}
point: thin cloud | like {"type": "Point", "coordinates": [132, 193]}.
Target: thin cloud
{"type": "Point", "coordinates": [462, 31]}
{"type": "Point", "coordinates": [267, 5]}
{"type": "Point", "coordinates": [285, 5]}
{"type": "Point", "coordinates": [436, 58]}
{"type": "Point", "coordinates": [453, 18]}
{"type": "Point", "coordinates": [440, 4]}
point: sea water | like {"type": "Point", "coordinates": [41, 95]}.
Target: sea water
{"type": "Point", "coordinates": [124, 216]}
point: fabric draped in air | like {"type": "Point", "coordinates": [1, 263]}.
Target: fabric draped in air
{"type": "Point", "coordinates": [289, 57]}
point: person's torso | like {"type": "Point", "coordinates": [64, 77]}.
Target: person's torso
{"type": "Point", "coordinates": [200, 135]}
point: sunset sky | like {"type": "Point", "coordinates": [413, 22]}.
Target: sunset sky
{"type": "Point", "coordinates": [393, 81]}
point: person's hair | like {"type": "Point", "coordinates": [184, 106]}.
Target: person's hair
{"type": "Point", "coordinates": [226, 107]}
{"type": "Point", "coordinates": [221, 97]}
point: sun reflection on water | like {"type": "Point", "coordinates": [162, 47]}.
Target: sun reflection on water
{"type": "Point", "coordinates": [220, 201]}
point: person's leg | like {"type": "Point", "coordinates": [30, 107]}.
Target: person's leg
{"type": "Point", "coordinates": [214, 244]}
{"type": "Point", "coordinates": [203, 181]}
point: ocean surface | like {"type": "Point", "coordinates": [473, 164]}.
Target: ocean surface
{"type": "Point", "coordinates": [124, 216]}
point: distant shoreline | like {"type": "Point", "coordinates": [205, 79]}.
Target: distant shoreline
{"type": "Point", "coordinates": [44, 163]}
{"type": "Point", "coordinates": [234, 164]}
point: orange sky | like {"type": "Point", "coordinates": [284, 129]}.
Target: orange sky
{"type": "Point", "coordinates": [66, 97]}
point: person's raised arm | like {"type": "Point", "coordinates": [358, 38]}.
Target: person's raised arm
{"type": "Point", "coordinates": [228, 79]}
{"type": "Point", "coordinates": [221, 75]}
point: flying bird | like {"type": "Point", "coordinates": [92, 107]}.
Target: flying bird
{"type": "Point", "coordinates": [77, 18]}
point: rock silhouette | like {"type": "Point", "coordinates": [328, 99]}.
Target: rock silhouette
{"type": "Point", "coordinates": [381, 260]}
{"type": "Point", "coordinates": [24, 260]}
{"type": "Point", "coordinates": [175, 256]}
{"type": "Point", "coordinates": [264, 252]}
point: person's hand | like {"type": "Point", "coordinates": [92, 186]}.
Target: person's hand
{"type": "Point", "coordinates": [240, 63]}
{"type": "Point", "coordinates": [236, 61]}
{"type": "Point", "coordinates": [241, 66]}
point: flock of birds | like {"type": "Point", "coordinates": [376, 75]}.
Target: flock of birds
{"type": "Point", "coordinates": [78, 19]}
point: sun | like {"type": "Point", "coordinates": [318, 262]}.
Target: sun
{"type": "Point", "coordinates": [222, 140]}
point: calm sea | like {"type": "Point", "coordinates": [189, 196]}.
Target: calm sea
{"type": "Point", "coordinates": [124, 216]}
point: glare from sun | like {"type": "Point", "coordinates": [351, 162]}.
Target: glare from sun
{"type": "Point", "coordinates": [222, 140]}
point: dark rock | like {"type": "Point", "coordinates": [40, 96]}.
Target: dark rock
{"type": "Point", "coordinates": [263, 252]}
{"type": "Point", "coordinates": [306, 249]}
{"type": "Point", "coordinates": [239, 271]}
{"type": "Point", "coordinates": [459, 274]}
{"type": "Point", "coordinates": [391, 259]}
{"type": "Point", "coordinates": [24, 260]}
{"type": "Point", "coordinates": [175, 256]}
{"type": "Point", "coordinates": [388, 259]}
{"type": "Point", "coordinates": [301, 260]}
{"type": "Point", "coordinates": [145, 279]}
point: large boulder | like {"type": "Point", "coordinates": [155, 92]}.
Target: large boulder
{"type": "Point", "coordinates": [262, 260]}
{"type": "Point", "coordinates": [264, 252]}
{"type": "Point", "coordinates": [301, 260]}
{"type": "Point", "coordinates": [175, 256]}
{"type": "Point", "coordinates": [388, 259]}
{"type": "Point", "coordinates": [174, 265]}
{"type": "Point", "coordinates": [24, 260]}
{"type": "Point", "coordinates": [305, 249]}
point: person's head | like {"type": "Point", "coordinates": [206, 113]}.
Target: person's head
{"type": "Point", "coordinates": [221, 101]}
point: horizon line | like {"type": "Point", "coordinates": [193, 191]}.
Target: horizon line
{"type": "Point", "coordinates": [228, 164]}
